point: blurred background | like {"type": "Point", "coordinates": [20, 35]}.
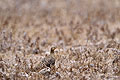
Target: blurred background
{"type": "Point", "coordinates": [72, 19]}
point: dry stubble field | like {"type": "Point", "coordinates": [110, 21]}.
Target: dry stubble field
{"type": "Point", "coordinates": [85, 32]}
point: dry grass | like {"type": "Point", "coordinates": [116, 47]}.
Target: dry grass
{"type": "Point", "coordinates": [87, 34]}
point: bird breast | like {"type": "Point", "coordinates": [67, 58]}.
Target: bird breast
{"type": "Point", "coordinates": [48, 61]}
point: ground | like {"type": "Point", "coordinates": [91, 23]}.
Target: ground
{"type": "Point", "coordinates": [86, 34]}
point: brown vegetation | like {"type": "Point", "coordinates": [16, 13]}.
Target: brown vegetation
{"type": "Point", "coordinates": [86, 33]}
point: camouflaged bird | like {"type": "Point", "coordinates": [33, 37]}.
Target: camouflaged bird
{"type": "Point", "coordinates": [49, 61]}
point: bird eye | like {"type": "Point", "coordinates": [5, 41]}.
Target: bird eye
{"type": "Point", "coordinates": [53, 48]}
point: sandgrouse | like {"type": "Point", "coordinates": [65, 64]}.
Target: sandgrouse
{"type": "Point", "coordinates": [49, 60]}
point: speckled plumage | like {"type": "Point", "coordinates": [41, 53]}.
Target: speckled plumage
{"type": "Point", "coordinates": [49, 61]}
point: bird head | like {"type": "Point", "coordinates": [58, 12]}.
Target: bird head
{"type": "Point", "coordinates": [52, 50]}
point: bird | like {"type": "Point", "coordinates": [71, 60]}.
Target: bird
{"type": "Point", "coordinates": [49, 60]}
